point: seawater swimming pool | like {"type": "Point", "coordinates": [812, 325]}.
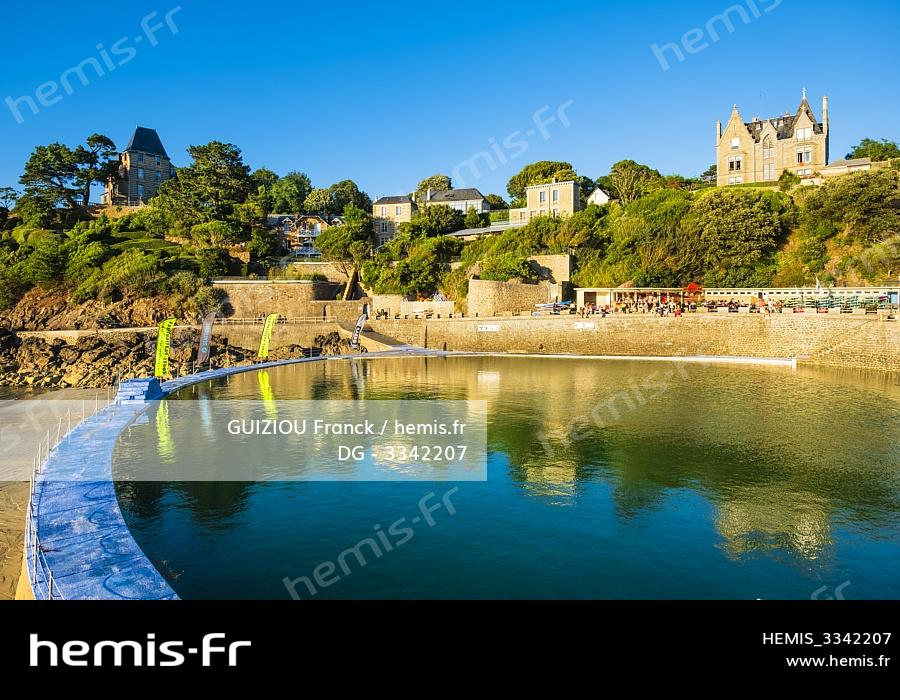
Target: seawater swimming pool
{"type": "Point", "coordinates": [605, 480]}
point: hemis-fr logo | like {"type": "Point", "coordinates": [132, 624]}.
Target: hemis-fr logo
{"type": "Point", "coordinates": [212, 651]}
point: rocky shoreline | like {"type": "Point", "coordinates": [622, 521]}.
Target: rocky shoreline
{"type": "Point", "coordinates": [99, 361]}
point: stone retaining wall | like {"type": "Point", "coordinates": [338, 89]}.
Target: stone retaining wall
{"type": "Point", "coordinates": [489, 298]}
{"type": "Point", "coordinates": [290, 299]}
{"type": "Point", "coordinates": [858, 342]}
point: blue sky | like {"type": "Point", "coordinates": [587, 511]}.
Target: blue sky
{"type": "Point", "coordinates": [389, 93]}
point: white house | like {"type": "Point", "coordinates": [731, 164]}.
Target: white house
{"type": "Point", "coordinates": [461, 200]}
{"type": "Point", "coordinates": [599, 197]}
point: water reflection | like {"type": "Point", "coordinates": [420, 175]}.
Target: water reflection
{"type": "Point", "coordinates": [783, 458]}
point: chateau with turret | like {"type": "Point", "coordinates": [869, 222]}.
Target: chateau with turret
{"type": "Point", "coordinates": [143, 166]}
{"type": "Point", "coordinates": [762, 149]}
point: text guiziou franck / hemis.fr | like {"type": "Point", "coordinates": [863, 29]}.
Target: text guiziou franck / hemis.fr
{"type": "Point", "coordinates": [271, 427]}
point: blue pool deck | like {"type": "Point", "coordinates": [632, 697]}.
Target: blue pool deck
{"type": "Point", "coordinates": [83, 538]}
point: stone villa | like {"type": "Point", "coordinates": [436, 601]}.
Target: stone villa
{"type": "Point", "coordinates": [762, 149]}
{"type": "Point", "coordinates": [143, 166]}
{"type": "Point", "coordinates": [552, 199]}
{"type": "Point", "coordinates": [389, 212]}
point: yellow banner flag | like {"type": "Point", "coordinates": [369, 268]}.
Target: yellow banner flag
{"type": "Point", "coordinates": [163, 344]}
{"type": "Point", "coordinates": [268, 328]}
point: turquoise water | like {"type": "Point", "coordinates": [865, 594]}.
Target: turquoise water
{"type": "Point", "coordinates": [708, 482]}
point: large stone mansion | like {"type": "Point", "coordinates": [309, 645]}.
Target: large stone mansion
{"type": "Point", "coordinates": [762, 149]}
{"type": "Point", "coordinates": [143, 166]}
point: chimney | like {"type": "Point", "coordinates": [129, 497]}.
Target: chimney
{"type": "Point", "coordinates": [428, 195]}
{"type": "Point", "coordinates": [718, 131]}
{"type": "Point", "coordinates": [825, 124]}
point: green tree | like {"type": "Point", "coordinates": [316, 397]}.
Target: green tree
{"type": "Point", "coordinates": [262, 244]}
{"type": "Point", "coordinates": [213, 262]}
{"type": "Point", "coordinates": [263, 177]}
{"type": "Point", "coordinates": [410, 265]}
{"type": "Point", "coordinates": [255, 211]}
{"type": "Point", "coordinates": [738, 232]}
{"type": "Point", "coordinates": [97, 161]}
{"type": "Point", "coordinates": [51, 176]}
{"type": "Point", "coordinates": [436, 220]}
{"type": "Point", "coordinates": [8, 197]}
{"type": "Point", "coordinates": [290, 192]}
{"type": "Point", "coordinates": [497, 202]}
{"type": "Point", "coordinates": [788, 181]}
{"type": "Point", "coordinates": [538, 173]}
{"type": "Point", "coordinates": [46, 263]}
{"type": "Point", "coordinates": [475, 220]}
{"type": "Point", "coordinates": [507, 266]}
{"type": "Point", "coordinates": [629, 181]}
{"type": "Point", "coordinates": [216, 233]}
{"type": "Point", "coordinates": [348, 245]}
{"type": "Point", "coordinates": [209, 189]}
{"type": "Point", "coordinates": [346, 192]}
{"type": "Point", "coordinates": [876, 150]}
{"type": "Point", "coordinates": [319, 201]}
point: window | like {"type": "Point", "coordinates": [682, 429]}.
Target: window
{"type": "Point", "coordinates": [158, 176]}
{"type": "Point", "coordinates": [543, 197]}
{"type": "Point", "coordinates": [768, 148]}
{"type": "Point", "coordinates": [140, 157]}
{"type": "Point", "coordinates": [384, 227]}
{"type": "Point", "coordinates": [735, 163]}
{"type": "Point", "coordinates": [804, 155]}
{"type": "Point", "coordinates": [158, 161]}
{"type": "Point", "coordinates": [383, 240]}
{"type": "Point", "coordinates": [735, 144]}
{"type": "Point", "coordinates": [399, 211]}
{"type": "Point", "coordinates": [384, 211]}
{"type": "Point", "coordinates": [287, 226]}
{"type": "Point", "coordinates": [768, 171]}
{"type": "Point", "coordinates": [140, 173]}
{"type": "Point", "coordinates": [555, 195]}
{"type": "Point", "coordinates": [804, 134]}
{"type": "Point", "coordinates": [140, 191]}
{"type": "Point", "coordinates": [556, 212]}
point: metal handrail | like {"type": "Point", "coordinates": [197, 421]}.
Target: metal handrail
{"type": "Point", "coordinates": [281, 321]}
{"type": "Point", "coordinates": [35, 551]}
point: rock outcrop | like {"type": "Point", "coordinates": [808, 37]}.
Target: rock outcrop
{"type": "Point", "coordinates": [49, 311]}
{"type": "Point", "coordinates": [99, 361]}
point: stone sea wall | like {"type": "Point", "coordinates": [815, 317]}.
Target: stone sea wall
{"type": "Point", "coordinates": [857, 342]}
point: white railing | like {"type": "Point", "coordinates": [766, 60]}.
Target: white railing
{"type": "Point", "coordinates": [281, 321]}
{"type": "Point", "coordinates": [40, 574]}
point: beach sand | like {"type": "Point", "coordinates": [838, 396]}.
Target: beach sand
{"type": "Point", "coordinates": [21, 427]}
{"type": "Point", "coordinates": [13, 499]}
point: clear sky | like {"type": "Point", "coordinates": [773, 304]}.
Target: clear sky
{"type": "Point", "coordinates": [389, 93]}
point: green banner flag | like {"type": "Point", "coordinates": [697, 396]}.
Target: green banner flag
{"type": "Point", "coordinates": [268, 328]}
{"type": "Point", "coordinates": [163, 343]}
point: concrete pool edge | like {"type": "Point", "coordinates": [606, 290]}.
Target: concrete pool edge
{"type": "Point", "coordinates": [84, 539]}
{"type": "Point", "coordinates": [87, 547]}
